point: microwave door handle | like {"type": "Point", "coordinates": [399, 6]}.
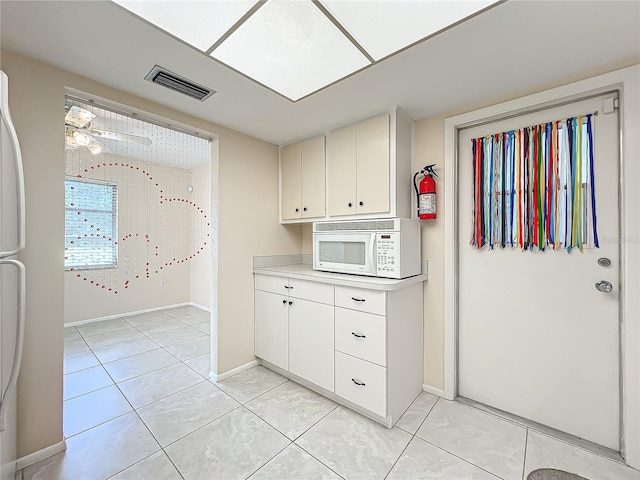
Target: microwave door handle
{"type": "Point", "coordinates": [372, 254]}
{"type": "Point", "coordinates": [17, 158]}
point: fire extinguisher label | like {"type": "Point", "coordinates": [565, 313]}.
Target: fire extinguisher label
{"type": "Point", "coordinates": [427, 203]}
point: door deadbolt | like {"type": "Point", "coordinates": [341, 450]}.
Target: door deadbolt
{"type": "Point", "coordinates": [604, 286]}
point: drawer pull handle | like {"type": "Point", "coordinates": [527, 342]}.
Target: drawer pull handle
{"type": "Point", "coordinates": [358, 299]}
{"type": "Point", "coordinates": [360, 384]}
{"type": "Point", "coordinates": [358, 335]}
{"type": "Point", "coordinates": [288, 288]}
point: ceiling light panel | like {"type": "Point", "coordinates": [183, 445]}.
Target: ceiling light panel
{"type": "Point", "coordinates": [199, 23]}
{"type": "Point", "coordinates": [292, 48]}
{"type": "Point", "coordinates": [383, 27]}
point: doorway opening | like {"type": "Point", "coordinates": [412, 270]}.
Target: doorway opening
{"type": "Point", "coordinates": [140, 262]}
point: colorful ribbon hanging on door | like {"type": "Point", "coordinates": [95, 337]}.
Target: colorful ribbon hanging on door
{"type": "Point", "coordinates": [534, 187]}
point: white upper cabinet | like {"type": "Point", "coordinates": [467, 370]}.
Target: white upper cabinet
{"type": "Point", "coordinates": [365, 188]}
{"type": "Point", "coordinates": [368, 172]}
{"type": "Point", "coordinates": [302, 180]}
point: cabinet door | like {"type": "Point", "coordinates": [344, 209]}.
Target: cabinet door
{"type": "Point", "coordinates": [313, 178]}
{"type": "Point", "coordinates": [341, 158]}
{"type": "Point", "coordinates": [271, 328]}
{"type": "Point", "coordinates": [291, 171]}
{"type": "Point", "coordinates": [311, 351]}
{"type": "Point", "coordinates": [373, 165]}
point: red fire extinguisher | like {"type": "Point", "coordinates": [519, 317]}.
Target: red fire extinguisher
{"type": "Point", "coordinates": [426, 193]}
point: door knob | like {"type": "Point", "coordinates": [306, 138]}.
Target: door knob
{"type": "Point", "coordinates": [604, 286]}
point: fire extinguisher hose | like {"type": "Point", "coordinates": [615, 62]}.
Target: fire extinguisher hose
{"type": "Point", "coordinates": [415, 186]}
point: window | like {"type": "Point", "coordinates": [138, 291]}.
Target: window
{"type": "Point", "coordinates": [91, 225]}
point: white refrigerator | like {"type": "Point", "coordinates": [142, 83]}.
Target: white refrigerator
{"type": "Point", "coordinates": [12, 282]}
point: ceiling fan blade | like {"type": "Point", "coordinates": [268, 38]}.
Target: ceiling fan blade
{"type": "Point", "coordinates": [122, 137]}
{"type": "Point", "coordinates": [96, 146]}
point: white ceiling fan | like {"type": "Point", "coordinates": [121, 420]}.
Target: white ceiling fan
{"type": "Point", "coordinates": [79, 133]}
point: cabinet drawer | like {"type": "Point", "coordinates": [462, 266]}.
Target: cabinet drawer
{"type": "Point", "coordinates": [362, 335]}
{"type": "Point", "coordinates": [273, 284]}
{"type": "Point", "coordinates": [361, 299]}
{"type": "Point", "coordinates": [372, 391]}
{"type": "Point", "coordinates": [313, 291]}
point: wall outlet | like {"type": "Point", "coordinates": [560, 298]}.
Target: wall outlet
{"type": "Point", "coordinates": [163, 283]}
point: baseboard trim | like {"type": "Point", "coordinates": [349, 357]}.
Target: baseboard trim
{"type": "Point", "coordinates": [202, 307]}
{"type": "Point", "coordinates": [433, 390]}
{"type": "Point", "coordinates": [130, 314]}
{"type": "Point", "coordinates": [230, 373]}
{"type": "Point", "coordinates": [40, 455]}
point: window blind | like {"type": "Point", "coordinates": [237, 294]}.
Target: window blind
{"type": "Point", "coordinates": [90, 224]}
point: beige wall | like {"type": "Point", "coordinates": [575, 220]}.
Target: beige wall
{"type": "Point", "coordinates": [428, 145]}
{"type": "Point", "coordinates": [248, 226]}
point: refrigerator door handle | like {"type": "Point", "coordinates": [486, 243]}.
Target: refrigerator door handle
{"type": "Point", "coordinates": [17, 158]}
{"type": "Point", "coordinates": [17, 356]}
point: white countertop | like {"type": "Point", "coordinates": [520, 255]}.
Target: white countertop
{"type": "Point", "coordinates": [303, 271]}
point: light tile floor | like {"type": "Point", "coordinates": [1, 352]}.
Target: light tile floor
{"type": "Point", "coordinates": [139, 405]}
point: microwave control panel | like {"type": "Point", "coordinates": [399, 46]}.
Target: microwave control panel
{"type": "Point", "coordinates": [387, 253]}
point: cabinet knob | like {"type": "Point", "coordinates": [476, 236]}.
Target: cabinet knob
{"type": "Point", "coordinates": [297, 209]}
{"type": "Point", "coordinates": [290, 303]}
{"type": "Point", "coordinates": [349, 204]}
{"type": "Point", "coordinates": [304, 209]}
{"type": "Point", "coordinates": [361, 203]}
{"type": "Point", "coordinates": [284, 302]}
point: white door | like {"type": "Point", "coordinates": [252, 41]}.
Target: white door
{"type": "Point", "coordinates": [535, 337]}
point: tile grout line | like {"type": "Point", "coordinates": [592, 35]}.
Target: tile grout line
{"type": "Point", "coordinates": [133, 409]}
{"type": "Point", "coordinates": [267, 462]}
{"type": "Point", "coordinates": [458, 457]}
{"type": "Point", "coordinates": [423, 420]}
{"type": "Point", "coordinates": [413, 435]}
{"type": "Point", "coordinates": [316, 458]}
{"type": "Point", "coordinates": [540, 431]}
{"type": "Point", "coordinates": [399, 456]}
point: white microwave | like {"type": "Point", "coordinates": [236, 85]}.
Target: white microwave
{"type": "Point", "coordinates": [387, 248]}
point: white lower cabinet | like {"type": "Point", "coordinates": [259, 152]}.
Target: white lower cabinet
{"type": "Point", "coordinates": [362, 347]}
{"type": "Point", "coordinates": [311, 342]}
{"type": "Point", "coordinates": [362, 383]}
{"type": "Point", "coordinates": [271, 328]}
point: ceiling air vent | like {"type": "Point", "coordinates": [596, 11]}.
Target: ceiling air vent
{"type": "Point", "coordinates": [168, 79]}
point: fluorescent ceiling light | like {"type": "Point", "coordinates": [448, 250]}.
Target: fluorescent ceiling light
{"type": "Point", "coordinates": [199, 23]}
{"type": "Point", "coordinates": [292, 48]}
{"type": "Point", "coordinates": [297, 47]}
{"type": "Point", "coordinates": [383, 27]}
